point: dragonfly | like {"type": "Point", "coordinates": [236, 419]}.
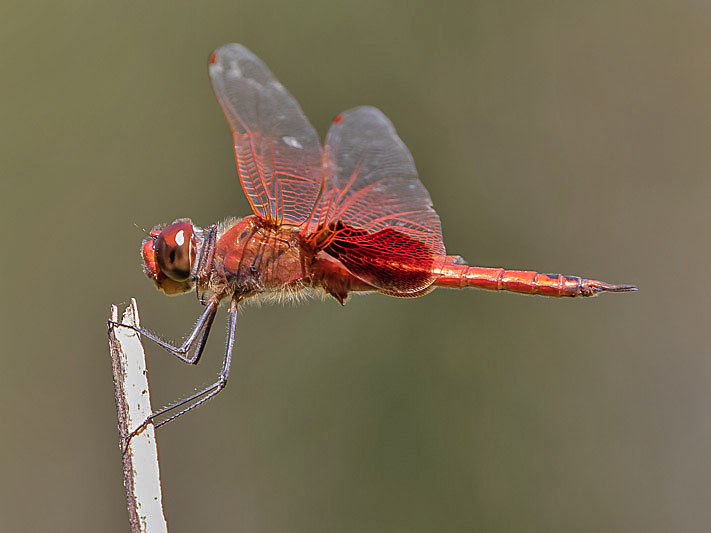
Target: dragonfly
{"type": "Point", "coordinates": [350, 215]}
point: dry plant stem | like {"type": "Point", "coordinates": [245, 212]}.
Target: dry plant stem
{"type": "Point", "coordinates": [141, 472]}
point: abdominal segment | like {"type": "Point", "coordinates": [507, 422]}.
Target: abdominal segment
{"type": "Point", "coordinates": [460, 276]}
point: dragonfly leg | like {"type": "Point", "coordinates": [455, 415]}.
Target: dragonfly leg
{"type": "Point", "coordinates": [204, 323]}
{"type": "Point", "coordinates": [198, 398]}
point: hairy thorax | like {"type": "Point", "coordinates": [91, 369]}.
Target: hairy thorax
{"type": "Point", "coordinates": [251, 259]}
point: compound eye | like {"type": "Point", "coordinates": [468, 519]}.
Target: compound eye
{"type": "Point", "coordinates": [175, 251]}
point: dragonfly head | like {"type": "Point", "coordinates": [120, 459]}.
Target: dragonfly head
{"type": "Point", "coordinates": [169, 255]}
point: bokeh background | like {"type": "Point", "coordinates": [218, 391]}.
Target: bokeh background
{"type": "Point", "coordinates": [568, 137]}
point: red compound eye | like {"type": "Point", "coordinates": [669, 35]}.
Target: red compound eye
{"type": "Point", "coordinates": [174, 251]}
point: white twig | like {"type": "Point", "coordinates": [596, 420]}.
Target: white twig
{"type": "Point", "coordinates": [141, 472]}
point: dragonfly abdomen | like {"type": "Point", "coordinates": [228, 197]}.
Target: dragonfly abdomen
{"type": "Point", "coordinates": [522, 281]}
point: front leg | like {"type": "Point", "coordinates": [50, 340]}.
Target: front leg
{"type": "Point", "coordinates": [204, 323]}
{"type": "Point", "coordinates": [197, 398]}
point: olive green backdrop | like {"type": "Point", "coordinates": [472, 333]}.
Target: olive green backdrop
{"type": "Point", "coordinates": [569, 137]}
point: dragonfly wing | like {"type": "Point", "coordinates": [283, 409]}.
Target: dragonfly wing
{"type": "Point", "coordinates": [278, 151]}
{"type": "Point", "coordinates": [376, 211]}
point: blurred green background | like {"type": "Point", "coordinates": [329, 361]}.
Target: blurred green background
{"type": "Point", "coordinates": [568, 137]}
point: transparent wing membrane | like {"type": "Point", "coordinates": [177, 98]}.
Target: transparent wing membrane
{"type": "Point", "coordinates": [277, 150]}
{"type": "Point", "coordinates": [376, 214]}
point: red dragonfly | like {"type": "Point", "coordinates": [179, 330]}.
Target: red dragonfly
{"type": "Point", "coordinates": [349, 216]}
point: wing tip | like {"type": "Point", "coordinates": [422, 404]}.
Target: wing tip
{"type": "Point", "coordinates": [230, 51]}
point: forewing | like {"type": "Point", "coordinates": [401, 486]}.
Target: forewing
{"type": "Point", "coordinates": [385, 228]}
{"type": "Point", "coordinates": [278, 152]}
